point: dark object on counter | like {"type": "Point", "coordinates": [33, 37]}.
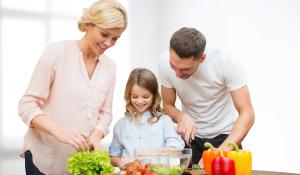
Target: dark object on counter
{"type": "Point", "coordinates": [186, 173]}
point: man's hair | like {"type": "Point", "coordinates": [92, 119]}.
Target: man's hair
{"type": "Point", "coordinates": [188, 42]}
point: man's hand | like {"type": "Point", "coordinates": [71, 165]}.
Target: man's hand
{"type": "Point", "coordinates": [224, 147]}
{"type": "Point", "coordinates": [72, 137]}
{"type": "Point", "coordinates": [186, 127]}
{"type": "Point", "coordinates": [201, 164]}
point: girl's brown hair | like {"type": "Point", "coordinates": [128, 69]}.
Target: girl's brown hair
{"type": "Point", "coordinates": [146, 79]}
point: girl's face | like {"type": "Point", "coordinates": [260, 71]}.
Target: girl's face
{"type": "Point", "coordinates": [102, 39]}
{"type": "Point", "coordinates": [140, 98]}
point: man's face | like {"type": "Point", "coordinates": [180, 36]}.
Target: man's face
{"type": "Point", "coordinates": [184, 68]}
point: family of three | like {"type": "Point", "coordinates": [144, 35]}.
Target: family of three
{"type": "Point", "coordinates": [68, 103]}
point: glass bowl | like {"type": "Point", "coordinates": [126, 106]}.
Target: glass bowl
{"type": "Point", "coordinates": [165, 161]}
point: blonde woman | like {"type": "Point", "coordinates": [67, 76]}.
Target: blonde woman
{"type": "Point", "coordinates": [68, 103]}
{"type": "Point", "coordinates": [144, 126]}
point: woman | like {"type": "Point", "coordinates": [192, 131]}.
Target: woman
{"type": "Point", "coordinates": [68, 104]}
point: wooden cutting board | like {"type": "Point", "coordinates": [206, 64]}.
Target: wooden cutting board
{"type": "Point", "coordinates": [195, 172]}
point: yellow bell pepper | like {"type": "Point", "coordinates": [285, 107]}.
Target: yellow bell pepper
{"type": "Point", "coordinates": [242, 160]}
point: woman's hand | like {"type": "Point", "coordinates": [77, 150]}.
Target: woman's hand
{"type": "Point", "coordinates": [94, 140]}
{"type": "Point", "coordinates": [72, 137]}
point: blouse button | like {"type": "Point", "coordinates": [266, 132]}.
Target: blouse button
{"type": "Point", "coordinates": [90, 115]}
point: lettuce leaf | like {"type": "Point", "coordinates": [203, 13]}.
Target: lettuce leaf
{"type": "Point", "coordinates": [89, 163]}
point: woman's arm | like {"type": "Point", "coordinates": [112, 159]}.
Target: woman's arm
{"type": "Point", "coordinates": [36, 97]}
{"type": "Point", "coordinates": [74, 138]}
{"type": "Point", "coordinates": [105, 118]}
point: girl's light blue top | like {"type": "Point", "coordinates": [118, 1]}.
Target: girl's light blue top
{"type": "Point", "coordinates": [129, 135]}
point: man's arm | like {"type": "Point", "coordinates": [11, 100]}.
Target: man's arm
{"type": "Point", "coordinates": [242, 102]}
{"type": "Point", "coordinates": [169, 99]}
{"type": "Point", "coordinates": [186, 126]}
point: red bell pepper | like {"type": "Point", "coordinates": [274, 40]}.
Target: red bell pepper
{"type": "Point", "coordinates": [222, 166]}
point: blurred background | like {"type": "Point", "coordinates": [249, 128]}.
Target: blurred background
{"type": "Point", "coordinates": [264, 34]}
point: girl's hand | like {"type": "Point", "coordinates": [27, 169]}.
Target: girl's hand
{"type": "Point", "coordinates": [72, 137]}
{"type": "Point", "coordinates": [125, 161]}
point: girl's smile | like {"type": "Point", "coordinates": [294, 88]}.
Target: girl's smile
{"type": "Point", "coordinates": [141, 99]}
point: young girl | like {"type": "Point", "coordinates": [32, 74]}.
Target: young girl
{"type": "Point", "coordinates": [144, 126]}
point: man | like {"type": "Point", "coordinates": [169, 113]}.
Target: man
{"type": "Point", "coordinates": [212, 88]}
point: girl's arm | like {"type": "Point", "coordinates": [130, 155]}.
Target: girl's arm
{"type": "Point", "coordinates": [120, 161]}
{"type": "Point", "coordinates": [172, 139]}
{"type": "Point", "coordinates": [116, 161]}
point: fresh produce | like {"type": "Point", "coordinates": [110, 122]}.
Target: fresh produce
{"type": "Point", "coordinates": [208, 156]}
{"type": "Point", "coordinates": [136, 168]}
{"type": "Point", "coordinates": [222, 166]}
{"type": "Point", "coordinates": [242, 160]}
{"type": "Point", "coordinates": [89, 163]}
{"type": "Point", "coordinates": [167, 170]}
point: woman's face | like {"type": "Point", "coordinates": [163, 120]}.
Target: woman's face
{"type": "Point", "coordinates": [102, 39]}
{"type": "Point", "coordinates": [141, 99]}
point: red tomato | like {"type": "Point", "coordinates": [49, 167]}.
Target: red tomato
{"type": "Point", "coordinates": [136, 173]}
{"type": "Point", "coordinates": [143, 168]}
{"type": "Point", "coordinates": [150, 173]}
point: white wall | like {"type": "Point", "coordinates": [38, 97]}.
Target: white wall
{"type": "Point", "coordinates": [144, 22]}
{"type": "Point", "coordinates": [265, 36]}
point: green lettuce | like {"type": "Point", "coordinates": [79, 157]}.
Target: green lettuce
{"type": "Point", "coordinates": [89, 163]}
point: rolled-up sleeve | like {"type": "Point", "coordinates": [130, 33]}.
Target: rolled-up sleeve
{"type": "Point", "coordinates": [115, 148]}
{"type": "Point", "coordinates": [106, 109]}
{"type": "Point", "coordinates": [37, 93]}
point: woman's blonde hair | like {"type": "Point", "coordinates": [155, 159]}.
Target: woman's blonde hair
{"type": "Point", "coordinates": [147, 80]}
{"type": "Point", "coordinates": [106, 14]}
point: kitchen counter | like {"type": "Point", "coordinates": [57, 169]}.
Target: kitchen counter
{"type": "Point", "coordinates": [254, 172]}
